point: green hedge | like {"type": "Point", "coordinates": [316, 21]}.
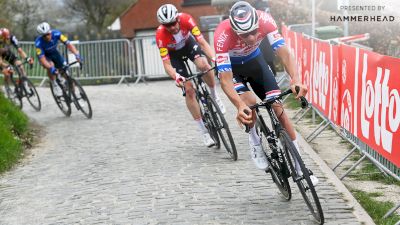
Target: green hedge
{"type": "Point", "coordinates": [13, 125]}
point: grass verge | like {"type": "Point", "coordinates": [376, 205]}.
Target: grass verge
{"type": "Point", "coordinates": [13, 130]}
{"type": "Point", "coordinates": [375, 209]}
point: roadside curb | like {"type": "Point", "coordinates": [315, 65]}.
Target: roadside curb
{"type": "Point", "coordinates": [358, 210]}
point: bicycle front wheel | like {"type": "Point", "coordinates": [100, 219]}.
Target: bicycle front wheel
{"type": "Point", "coordinates": [63, 101]}
{"type": "Point", "coordinates": [278, 167]}
{"type": "Point", "coordinates": [31, 94]}
{"type": "Point", "coordinates": [303, 181]}
{"type": "Point", "coordinates": [222, 128]}
{"type": "Point", "coordinates": [81, 100]}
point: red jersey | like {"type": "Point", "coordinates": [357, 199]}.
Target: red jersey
{"type": "Point", "coordinates": [171, 42]}
{"type": "Point", "coordinates": [231, 49]}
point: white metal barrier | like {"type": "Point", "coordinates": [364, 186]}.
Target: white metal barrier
{"type": "Point", "coordinates": [149, 63]}
{"type": "Point", "coordinates": [102, 59]}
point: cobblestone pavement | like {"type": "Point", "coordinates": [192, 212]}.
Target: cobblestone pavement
{"type": "Point", "coordinates": [140, 161]}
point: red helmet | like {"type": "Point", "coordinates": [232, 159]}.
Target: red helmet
{"type": "Point", "coordinates": [4, 33]}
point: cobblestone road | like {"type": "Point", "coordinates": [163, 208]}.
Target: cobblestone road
{"type": "Point", "coordinates": [139, 161]}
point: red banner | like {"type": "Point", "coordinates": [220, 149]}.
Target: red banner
{"type": "Point", "coordinates": [370, 100]}
{"type": "Point", "coordinates": [321, 76]}
{"type": "Point", "coordinates": [354, 88]}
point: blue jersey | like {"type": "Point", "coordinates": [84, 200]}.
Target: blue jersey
{"type": "Point", "coordinates": [48, 48]}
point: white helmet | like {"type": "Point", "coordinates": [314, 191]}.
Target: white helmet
{"type": "Point", "coordinates": [43, 28]}
{"type": "Point", "coordinates": [167, 14]}
{"type": "Point", "coordinates": [243, 17]}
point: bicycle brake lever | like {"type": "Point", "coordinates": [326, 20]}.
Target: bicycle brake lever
{"type": "Point", "coordinates": [304, 102]}
{"type": "Point", "coordinates": [247, 130]}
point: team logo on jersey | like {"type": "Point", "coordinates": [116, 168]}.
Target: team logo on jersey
{"type": "Point", "coordinates": [38, 51]}
{"type": "Point", "coordinates": [277, 36]}
{"type": "Point", "coordinates": [63, 38]}
{"type": "Point", "coordinates": [163, 52]}
{"type": "Point", "coordinates": [196, 31]}
{"type": "Point", "coordinates": [274, 36]}
{"type": "Point", "coordinates": [223, 59]}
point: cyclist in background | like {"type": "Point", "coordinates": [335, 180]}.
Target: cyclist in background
{"type": "Point", "coordinates": [240, 61]}
{"type": "Point", "coordinates": [7, 57]}
{"type": "Point", "coordinates": [178, 36]}
{"type": "Point", "coordinates": [49, 57]}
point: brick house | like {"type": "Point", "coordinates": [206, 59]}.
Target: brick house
{"type": "Point", "coordinates": [140, 17]}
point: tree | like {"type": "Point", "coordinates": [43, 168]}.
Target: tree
{"type": "Point", "coordinates": [97, 13]}
{"type": "Point", "coordinates": [25, 17]}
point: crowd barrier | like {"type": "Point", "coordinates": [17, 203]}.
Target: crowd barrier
{"type": "Point", "coordinates": [103, 59]}
{"type": "Point", "coordinates": [356, 92]}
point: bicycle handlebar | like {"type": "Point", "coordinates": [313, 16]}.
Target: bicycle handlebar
{"type": "Point", "coordinates": [25, 62]}
{"type": "Point", "coordinates": [303, 100]}
{"type": "Point", "coordinates": [73, 63]}
{"type": "Point", "coordinates": [200, 74]}
{"type": "Point", "coordinates": [196, 75]}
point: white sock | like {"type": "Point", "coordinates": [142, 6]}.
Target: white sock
{"type": "Point", "coordinates": [254, 138]}
{"type": "Point", "coordinates": [200, 124]}
{"type": "Point", "coordinates": [213, 92]}
{"type": "Point", "coordinates": [297, 164]}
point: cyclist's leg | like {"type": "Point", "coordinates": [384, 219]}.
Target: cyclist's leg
{"type": "Point", "coordinates": [18, 63]}
{"type": "Point", "coordinates": [256, 151]}
{"type": "Point", "coordinates": [194, 53]}
{"type": "Point", "coordinates": [190, 95]}
{"type": "Point", "coordinates": [9, 57]}
{"type": "Point", "coordinates": [266, 86]}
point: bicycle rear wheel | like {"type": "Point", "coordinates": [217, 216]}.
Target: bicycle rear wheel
{"type": "Point", "coordinates": [278, 167]}
{"type": "Point", "coordinates": [81, 100]}
{"type": "Point", "coordinates": [12, 93]}
{"type": "Point", "coordinates": [304, 183]}
{"type": "Point", "coordinates": [222, 128]}
{"type": "Point", "coordinates": [31, 94]}
{"type": "Point", "coordinates": [64, 101]}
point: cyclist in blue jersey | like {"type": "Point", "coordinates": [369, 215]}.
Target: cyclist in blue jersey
{"type": "Point", "coordinates": [49, 57]}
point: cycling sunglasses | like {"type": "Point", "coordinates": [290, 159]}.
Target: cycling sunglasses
{"type": "Point", "coordinates": [245, 35]}
{"type": "Point", "coordinates": [171, 24]}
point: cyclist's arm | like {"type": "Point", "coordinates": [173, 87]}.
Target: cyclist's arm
{"type": "Point", "coordinates": [21, 53]}
{"type": "Point", "coordinates": [72, 49]}
{"type": "Point", "coordinates": [169, 69]}
{"type": "Point", "coordinates": [2, 63]}
{"type": "Point", "coordinates": [228, 88]}
{"type": "Point", "coordinates": [289, 63]}
{"type": "Point", "coordinates": [44, 62]}
{"type": "Point", "coordinates": [290, 66]}
{"type": "Point", "coordinates": [206, 48]}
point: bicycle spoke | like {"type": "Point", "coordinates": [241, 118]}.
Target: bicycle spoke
{"type": "Point", "coordinates": [63, 102]}
{"type": "Point", "coordinates": [32, 95]}
{"type": "Point", "coordinates": [81, 100]}
{"type": "Point", "coordinates": [223, 129]}
{"type": "Point", "coordinates": [278, 169]}
{"type": "Point", "coordinates": [303, 182]}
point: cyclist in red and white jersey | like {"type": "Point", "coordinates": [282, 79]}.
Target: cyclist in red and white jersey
{"type": "Point", "coordinates": [239, 61]}
{"type": "Point", "coordinates": [178, 36]}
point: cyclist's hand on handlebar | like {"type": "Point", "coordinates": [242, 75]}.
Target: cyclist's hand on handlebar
{"type": "Point", "coordinates": [302, 92]}
{"type": "Point", "coordinates": [179, 80]}
{"type": "Point", "coordinates": [53, 70]}
{"type": "Point", "coordinates": [213, 60]}
{"type": "Point", "coordinates": [79, 58]}
{"type": "Point", "coordinates": [29, 60]}
{"type": "Point", "coordinates": [244, 115]}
